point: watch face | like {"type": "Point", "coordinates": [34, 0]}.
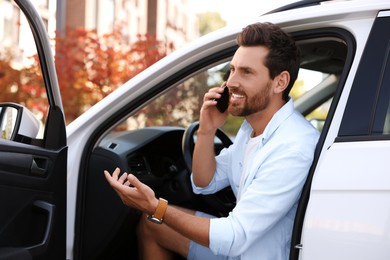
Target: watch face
{"type": "Point", "coordinates": [154, 220]}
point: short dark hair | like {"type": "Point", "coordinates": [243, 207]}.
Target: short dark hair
{"type": "Point", "coordinates": [283, 55]}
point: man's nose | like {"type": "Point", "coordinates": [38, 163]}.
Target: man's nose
{"type": "Point", "coordinates": [232, 81]}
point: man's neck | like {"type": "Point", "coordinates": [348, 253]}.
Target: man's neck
{"type": "Point", "coordinates": [260, 120]}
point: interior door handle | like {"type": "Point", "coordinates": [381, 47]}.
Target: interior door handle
{"type": "Point", "coordinates": [39, 167]}
{"type": "Point", "coordinates": [42, 246]}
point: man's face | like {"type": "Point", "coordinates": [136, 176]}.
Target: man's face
{"type": "Point", "coordinates": [249, 82]}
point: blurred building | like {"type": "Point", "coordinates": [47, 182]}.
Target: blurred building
{"type": "Point", "coordinates": [14, 28]}
{"type": "Point", "coordinates": [171, 21]}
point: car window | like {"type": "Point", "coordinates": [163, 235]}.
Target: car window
{"type": "Point", "coordinates": [20, 74]}
{"type": "Point", "coordinates": [382, 114]}
{"type": "Point", "coordinates": [366, 116]}
{"type": "Point", "coordinates": [386, 125]}
{"type": "Point", "coordinates": [180, 106]}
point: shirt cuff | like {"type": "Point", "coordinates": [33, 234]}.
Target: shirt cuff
{"type": "Point", "coordinates": [221, 236]}
{"type": "Point", "coordinates": [202, 190]}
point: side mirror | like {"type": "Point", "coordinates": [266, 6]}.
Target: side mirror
{"type": "Point", "coordinates": [17, 122]}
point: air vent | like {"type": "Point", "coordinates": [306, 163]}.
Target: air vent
{"type": "Point", "coordinates": [138, 165]}
{"type": "Point", "coordinates": [112, 146]}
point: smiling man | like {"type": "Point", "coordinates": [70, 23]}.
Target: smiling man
{"type": "Point", "coordinates": [266, 166]}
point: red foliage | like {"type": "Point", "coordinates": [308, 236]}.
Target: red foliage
{"type": "Point", "coordinates": [23, 86]}
{"type": "Point", "coordinates": [89, 67]}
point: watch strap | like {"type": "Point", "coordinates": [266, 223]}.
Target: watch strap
{"type": "Point", "coordinates": [158, 215]}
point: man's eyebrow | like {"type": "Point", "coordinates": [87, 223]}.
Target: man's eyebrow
{"type": "Point", "coordinates": [242, 68]}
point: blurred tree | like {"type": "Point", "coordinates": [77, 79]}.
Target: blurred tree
{"type": "Point", "coordinates": [9, 78]}
{"type": "Point", "coordinates": [210, 21]}
{"type": "Point", "coordinates": [90, 66]}
{"type": "Point", "coordinates": [24, 86]}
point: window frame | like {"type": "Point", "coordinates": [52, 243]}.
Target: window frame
{"type": "Point", "coordinates": [365, 106]}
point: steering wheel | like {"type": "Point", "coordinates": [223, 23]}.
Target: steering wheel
{"type": "Point", "coordinates": [224, 200]}
{"type": "Point", "coordinates": [188, 143]}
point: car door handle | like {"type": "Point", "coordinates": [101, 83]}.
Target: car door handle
{"type": "Point", "coordinates": [42, 246]}
{"type": "Point", "coordinates": [39, 167]}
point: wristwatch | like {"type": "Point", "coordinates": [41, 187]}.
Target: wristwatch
{"type": "Point", "coordinates": [158, 215]}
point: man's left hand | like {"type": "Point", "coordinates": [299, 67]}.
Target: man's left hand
{"type": "Point", "coordinates": [132, 191]}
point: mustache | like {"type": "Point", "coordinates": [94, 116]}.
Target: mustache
{"type": "Point", "coordinates": [236, 90]}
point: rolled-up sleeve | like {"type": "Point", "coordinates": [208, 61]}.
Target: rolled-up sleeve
{"type": "Point", "coordinates": [228, 166]}
{"type": "Point", "coordinates": [221, 235]}
{"type": "Point", "coordinates": [220, 179]}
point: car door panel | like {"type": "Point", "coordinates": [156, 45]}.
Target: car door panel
{"type": "Point", "coordinates": [33, 171]}
{"type": "Point", "coordinates": [342, 194]}
{"type": "Point", "coordinates": [347, 216]}
{"type": "Point", "coordinates": [32, 192]}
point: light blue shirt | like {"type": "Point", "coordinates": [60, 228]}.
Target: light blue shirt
{"type": "Point", "coordinates": [260, 226]}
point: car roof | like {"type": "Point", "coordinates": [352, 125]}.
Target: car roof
{"type": "Point", "coordinates": [297, 5]}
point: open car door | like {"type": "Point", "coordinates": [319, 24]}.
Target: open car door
{"type": "Point", "coordinates": [32, 165]}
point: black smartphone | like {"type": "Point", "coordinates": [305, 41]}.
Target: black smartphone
{"type": "Point", "coordinates": [223, 101]}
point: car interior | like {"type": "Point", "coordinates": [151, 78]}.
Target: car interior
{"type": "Point", "coordinates": [155, 143]}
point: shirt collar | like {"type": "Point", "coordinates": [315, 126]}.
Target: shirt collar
{"type": "Point", "coordinates": [280, 116]}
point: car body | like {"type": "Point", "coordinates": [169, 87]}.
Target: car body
{"type": "Point", "coordinates": [56, 183]}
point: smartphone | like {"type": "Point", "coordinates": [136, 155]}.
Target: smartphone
{"type": "Point", "coordinates": [223, 101]}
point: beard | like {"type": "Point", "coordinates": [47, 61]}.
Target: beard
{"type": "Point", "coordinates": [252, 104]}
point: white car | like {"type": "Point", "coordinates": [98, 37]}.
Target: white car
{"type": "Point", "coordinates": [56, 204]}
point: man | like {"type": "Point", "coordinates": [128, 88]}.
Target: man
{"type": "Point", "coordinates": [266, 166]}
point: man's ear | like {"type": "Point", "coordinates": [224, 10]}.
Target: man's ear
{"type": "Point", "coordinates": [281, 81]}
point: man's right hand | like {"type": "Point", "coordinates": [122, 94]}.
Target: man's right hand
{"type": "Point", "coordinates": [210, 117]}
{"type": "Point", "coordinates": [203, 162]}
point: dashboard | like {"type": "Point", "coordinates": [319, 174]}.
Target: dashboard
{"type": "Point", "coordinates": [153, 154]}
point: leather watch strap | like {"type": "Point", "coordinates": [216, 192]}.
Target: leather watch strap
{"type": "Point", "coordinates": [158, 215]}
